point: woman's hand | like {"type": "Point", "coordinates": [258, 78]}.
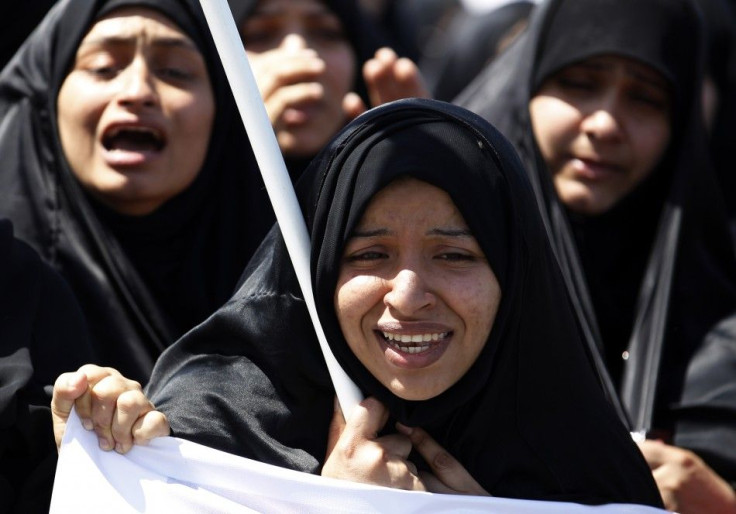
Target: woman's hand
{"type": "Point", "coordinates": [448, 475]}
{"type": "Point", "coordinates": [287, 77]}
{"type": "Point", "coordinates": [356, 453]}
{"type": "Point", "coordinates": [108, 403]}
{"type": "Point", "coordinates": [388, 77]}
{"type": "Point", "coordinates": [687, 484]}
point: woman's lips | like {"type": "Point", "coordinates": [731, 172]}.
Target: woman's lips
{"type": "Point", "coordinates": [129, 158]}
{"type": "Point", "coordinates": [128, 143]}
{"type": "Point", "coordinates": [413, 349]}
{"type": "Point", "coordinates": [594, 170]}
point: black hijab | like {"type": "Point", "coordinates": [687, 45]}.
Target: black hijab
{"type": "Point", "coordinates": [42, 334]}
{"type": "Point", "coordinates": [360, 32]}
{"type": "Point", "coordinates": [142, 281]}
{"type": "Point", "coordinates": [656, 272]}
{"type": "Point", "coordinates": [528, 419]}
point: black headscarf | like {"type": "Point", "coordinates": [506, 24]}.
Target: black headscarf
{"type": "Point", "coordinates": [528, 419]}
{"type": "Point", "coordinates": [142, 281]}
{"type": "Point", "coordinates": [42, 334]}
{"type": "Point", "coordinates": [360, 32]}
{"type": "Point", "coordinates": [656, 272]}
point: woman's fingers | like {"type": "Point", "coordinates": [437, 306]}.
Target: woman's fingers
{"type": "Point", "coordinates": [283, 98]}
{"type": "Point", "coordinates": [67, 389]}
{"type": "Point", "coordinates": [366, 420]}
{"type": "Point", "coordinates": [390, 77]}
{"type": "Point", "coordinates": [360, 455]}
{"type": "Point", "coordinates": [449, 475]}
{"type": "Point", "coordinates": [130, 408]}
{"type": "Point", "coordinates": [277, 68]}
{"type": "Point", "coordinates": [105, 395]}
{"type": "Point", "coordinates": [337, 425]}
{"type": "Point", "coordinates": [353, 106]}
{"type": "Point", "coordinates": [108, 403]}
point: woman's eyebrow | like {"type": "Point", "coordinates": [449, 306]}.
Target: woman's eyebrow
{"type": "Point", "coordinates": [170, 42]}
{"type": "Point", "coordinates": [451, 232]}
{"type": "Point", "coordinates": [448, 232]}
{"type": "Point", "coordinates": [371, 233]}
{"type": "Point", "coordinates": [649, 78]}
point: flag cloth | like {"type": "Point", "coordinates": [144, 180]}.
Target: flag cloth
{"type": "Point", "coordinates": [174, 475]}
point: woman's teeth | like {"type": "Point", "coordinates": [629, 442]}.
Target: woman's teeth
{"type": "Point", "coordinates": [412, 343]}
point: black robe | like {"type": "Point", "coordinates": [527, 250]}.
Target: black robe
{"type": "Point", "coordinates": [42, 334]}
{"type": "Point", "coordinates": [654, 274]}
{"type": "Point", "coordinates": [528, 419]}
{"type": "Point", "coordinates": [141, 281]}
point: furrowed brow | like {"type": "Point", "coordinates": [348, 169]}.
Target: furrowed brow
{"type": "Point", "coordinates": [371, 233]}
{"type": "Point", "coordinates": [450, 232]}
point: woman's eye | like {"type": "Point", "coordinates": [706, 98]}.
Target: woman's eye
{"type": "Point", "coordinates": [327, 34]}
{"type": "Point", "coordinates": [366, 256]}
{"type": "Point", "coordinates": [107, 71]}
{"type": "Point", "coordinates": [650, 100]}
{"type": "Point", "coordinates": [256, 37]}
{"type": "Point", "coordinates": [173, 73]}
{"type": "Point", "coordinates": [455, 257]}
{"type": "Point", "coordinates": [576, 83]}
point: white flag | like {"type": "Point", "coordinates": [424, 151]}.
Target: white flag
{"type": "Point", "coordinates": [173, 475]}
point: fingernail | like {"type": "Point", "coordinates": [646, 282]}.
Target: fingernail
{"type": "Point", "coordinates": [119, 448]}
{"type": "Point", "coordinates": [87, 424]}
{"type": "Point", "coordinates": [105, 444]}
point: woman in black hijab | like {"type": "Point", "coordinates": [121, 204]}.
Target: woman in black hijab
{"type": "Point", "coordinates": [144, 270]}
{"type": "Point", "coordinates": [649, 264]}
{"type": "Point", "coordinates": [515, 401]}
{"type": "Point", "coordinates": [318, 64]}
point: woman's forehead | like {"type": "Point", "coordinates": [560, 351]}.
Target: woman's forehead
{"type": "Point", "coordinates": [304, 7]}
{"type": "Point", "coordinates": [128, 24]}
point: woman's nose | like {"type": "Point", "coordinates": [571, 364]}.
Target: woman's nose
{"type": "Point", "coordinates": [603, 122]}
{"type": "Point", "coordinates": [409, 293]}
{"type": "Point", "coordinates": [137, 88]}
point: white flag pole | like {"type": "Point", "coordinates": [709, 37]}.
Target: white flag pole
{"type": "Point", "coordinates": [276, 177]}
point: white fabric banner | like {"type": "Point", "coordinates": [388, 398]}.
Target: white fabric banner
{"type": "Point", "coordinates": [173, 475]}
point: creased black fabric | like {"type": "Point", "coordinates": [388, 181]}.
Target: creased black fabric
{"type": "Point", "coordinates": [528, 420]}
{"type": "Point", "coordinates": [42, 334]}
{"type": "Point", "coordinates": [141, 281]}
{"type": "Point", "coordinates": [470, 41]}
{"type": "Point", "coordinates": [674, 262]}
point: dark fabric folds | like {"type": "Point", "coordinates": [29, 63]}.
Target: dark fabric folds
{"type": "Point", "coordinates": [470, 41]}
{"type": "Point", "coordinates": [42, 334]}
{"type": "Point", "coordinates": [528, 420]}
{"type": "Point", "coordinates": [654, 274]}
{"type": "Point", "coordinates": [141, 281]}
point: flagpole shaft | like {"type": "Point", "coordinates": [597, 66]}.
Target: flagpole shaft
{"type": "Point", "coordinates": [275, 176]}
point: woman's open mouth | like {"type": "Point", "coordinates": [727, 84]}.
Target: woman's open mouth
{"type": "Point", "coordinates": [413, 350]}
{"type": "Point", "coordinates": [132, 145]}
